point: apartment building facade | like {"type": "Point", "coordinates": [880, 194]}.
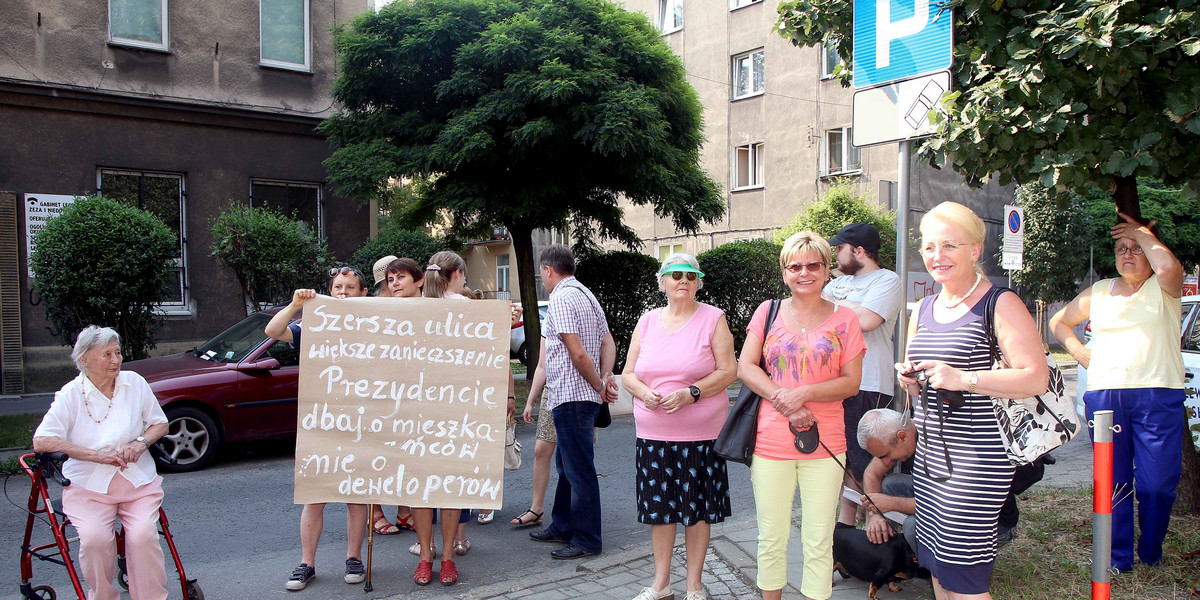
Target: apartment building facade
{"type": "Point", "coordinates": [778, 130]}
{"type": "Point", "coordinates": [180, 108]}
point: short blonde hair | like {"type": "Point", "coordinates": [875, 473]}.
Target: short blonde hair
{"type": "Point", "coordinates": [960, 216]}
{"type": "Point", "coordinates": [674, 259]}
{"type": "Point", "coordinates": [804, 242]}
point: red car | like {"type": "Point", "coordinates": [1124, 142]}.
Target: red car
{"type": "Point", "coordinates": [238, 386]}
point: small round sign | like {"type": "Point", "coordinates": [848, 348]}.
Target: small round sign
{"type": "Point", "coordinates": [1014, 221]}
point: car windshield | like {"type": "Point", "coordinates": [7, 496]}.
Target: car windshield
{"type": "Point", "coordinates": [233, 344]}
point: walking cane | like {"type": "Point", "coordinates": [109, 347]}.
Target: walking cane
{"type": "Point", "coordinates": [367, 587]}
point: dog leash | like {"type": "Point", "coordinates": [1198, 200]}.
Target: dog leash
{"type": "Point", "coordinates": [854, 481]}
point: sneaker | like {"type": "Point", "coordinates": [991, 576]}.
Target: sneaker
{"type": "Point", "coordinates": [696, 595]}
{"type": "Point", "coordinates": [649, 593]}
{"type": "Point", "coordinates": [300, 577]}
{"type": "Point", "coordinates": [355, 573]}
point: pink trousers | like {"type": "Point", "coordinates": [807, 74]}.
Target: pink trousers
{"type": "Point", "coordinates": [93, 515]}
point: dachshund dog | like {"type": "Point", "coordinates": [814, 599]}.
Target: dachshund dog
{"type": "Point", "coordinates": [855, 555]}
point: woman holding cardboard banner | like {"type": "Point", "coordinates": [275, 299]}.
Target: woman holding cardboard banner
{"type": "Point", "coordinates": [345, 282]}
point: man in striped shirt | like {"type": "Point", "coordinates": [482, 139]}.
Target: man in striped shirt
{"type": "Point", "coordinates": [580, 353]}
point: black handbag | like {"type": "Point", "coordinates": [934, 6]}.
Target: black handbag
{"type": "Point", "coordinates": [737, 438]}
{"type": "Point", "coordinates": [603, 418]}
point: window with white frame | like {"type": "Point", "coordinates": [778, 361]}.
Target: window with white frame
{"type": "Point", "coordinates": [138, 23]}
{"type": "Point", "coordinates": [748, 166]}
{"type": "Point", "coordinates": [666, 250]}
{"type": "Point", "coordinates": [502, 275]}
{"type": "Point", "coordinates": [558, 236]}
{"type": "Point", "coordinates": [668, 15]}
{"type": "Point", "coordinates": [163, 195]}
{"type": "Point", "coordinates": [839, 155]}
{"type": "Point", "coordinates": [736, 4]}
{"type": "Point", "coordinates": [295, 200]}
{"type": "Point", "coordinates": [829, 60]}
{"type": "Point", "coordinates": [283, 34]}
{"type": "Point", "coordinates": [749, 71]}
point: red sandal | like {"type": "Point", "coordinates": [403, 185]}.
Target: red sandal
{"type": "Point", "coordinates": [424, 573]}
{"type": "Point", "coordinates": [449, 574]}
{"type": "Point", "coordinates": [405, 523]}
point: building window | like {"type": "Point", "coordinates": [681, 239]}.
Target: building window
{"type": "Point", "coordinates": [736, 4]}
{"type": "Point", "coordinates": [748, 166]}
{"type": "Point", "coordinates": [558, 236]}
{"type": "Point", "coordinates": [299, 201]}
{"type": "Point", "coordinates": [840, 156]}
{"type": "Point", "coordinates": [830, 60]}
{"type": "Point", "coordinates": [284, 39]}
{"type": "Point", "coordinates": [748, 74]}
{"type": "Point", "coordinates": [502, 274]}
{"type": "Point", "coordinates": [669, 15]}
{"type": "Point", "coordinates": [666, 250]}
{"type": "Point", "coordinates": [138, 23]}
{"type": "Point", "coordinates": [161, 194]}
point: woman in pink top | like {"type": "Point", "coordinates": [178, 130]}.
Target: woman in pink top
{"type": "Point", "coordinates": [680, 362]}
{"type": "Point", "coordinates": [814, 353]}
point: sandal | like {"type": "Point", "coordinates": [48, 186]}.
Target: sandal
{"type": "Point", "coordinates": [405, 523]}
{"type": "Point", "coordinates": [416, 549]}
{"type": "Point", "coordinates": [520, 521]}
{"type": "Point", "coordinates": [483, 518]}
{"type": "Point", "coordinates": [449, 574]}
{"type": "Point", "coordinates": [424, 573]}
{"type": "Point", "coordinates": [461, 547]}
{"type": "Point", "coordinates": [384, 527]}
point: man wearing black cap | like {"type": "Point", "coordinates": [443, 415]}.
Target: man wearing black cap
{"type": "Point", "coordinates": [876, 295]}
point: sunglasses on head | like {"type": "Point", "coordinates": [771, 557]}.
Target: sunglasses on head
{"type": "Point", "coordinates": [677, 275]}
{"type": "Point", "coordinates": [334, 272]}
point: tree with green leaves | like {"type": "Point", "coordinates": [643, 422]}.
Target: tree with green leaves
{"type": "Point", "coordinates": [270, 254]}
{"type": "Point", "coordinates": [103, 262]}
{"type": "Point", "coordinates": [1068, 93]}
{"type": "Point", "coordinates": [527, 114]}
{"type": "Point", "coordinates": [840, 206]}
{"type": "Point", "coordinates": [1057, 244]}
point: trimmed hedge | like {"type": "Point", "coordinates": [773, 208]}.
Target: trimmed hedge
{"type": "Point", "coordinates": [626, 286]}
{"type": "Point", "coordinates": [739, 276]}
{"type": "Point", "coordinates": [102, 262]}
{"type": "Point", "coordinates": [401, 243]}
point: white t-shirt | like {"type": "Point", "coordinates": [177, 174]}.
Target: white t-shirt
{"type": "Point", "coordinates": [134, 408]}
{"type": "Point", "coordinates": [880, 292]}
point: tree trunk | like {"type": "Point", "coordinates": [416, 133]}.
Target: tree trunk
{"type": "Point", "coordinates": [1187, 495]}
{"type": "Point", "coordinates": [522, 239]}
{"type": "Point", "coordinates": [1125, 196]}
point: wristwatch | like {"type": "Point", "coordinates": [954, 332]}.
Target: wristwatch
{"type": "Point", "coordinates": [974, 382]}
{"type": "Point", "coordinates": [695, 392]}
{"type": "Point", "coordinates": [142, 439]}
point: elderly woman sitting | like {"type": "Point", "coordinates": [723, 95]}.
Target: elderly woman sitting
{"type": "Point", "coordinates": [105, 420]}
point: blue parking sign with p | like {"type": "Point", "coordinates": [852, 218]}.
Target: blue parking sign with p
{"type": "Point", "coordinates": [900, 39]}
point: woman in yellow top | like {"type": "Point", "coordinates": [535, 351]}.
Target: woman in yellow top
{"type": "Point", "coordinates": [1135, 369]}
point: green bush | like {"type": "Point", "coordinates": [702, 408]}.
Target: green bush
{"type": "Point", "coordinates": [737, 278]}
{"type": "Point", "coordinates": [1056, 243]}
{"type": "Point", "coordinates": [399, 242]}
{"type": "Point", "coordinates": [842, 205]}
{"type": "Point", "coordinates": [104, 263]}
{"type": "Point", "coordinates": [626, 286]}
{"type": "Point", "coordinates": [270, 254]}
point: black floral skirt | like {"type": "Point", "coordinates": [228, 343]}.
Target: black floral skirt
{"type": "Point", "coordinates": [680, 482]}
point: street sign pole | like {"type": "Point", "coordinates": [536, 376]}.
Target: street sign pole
{"type": "Point", "coordinates": [902, 258]}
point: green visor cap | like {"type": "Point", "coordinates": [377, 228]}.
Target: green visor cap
{"type": "Point", "coordinates": [681, 268]}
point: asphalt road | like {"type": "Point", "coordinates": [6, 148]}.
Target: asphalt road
{"type": "Point", "coordinates": [237, 529]}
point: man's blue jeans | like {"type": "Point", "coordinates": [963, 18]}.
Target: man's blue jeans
{"type": "Point", "coordinates": [576, 512]}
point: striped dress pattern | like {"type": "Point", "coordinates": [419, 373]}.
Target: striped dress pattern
{"type": "Point", "coordinates": [956, 519]}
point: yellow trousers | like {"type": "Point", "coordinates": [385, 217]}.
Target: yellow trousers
{"type": "Point", "coordinates": [775, 482]}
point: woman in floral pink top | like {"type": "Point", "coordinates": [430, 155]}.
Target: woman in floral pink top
{"type": "Point", "coordinates": [813, 352]}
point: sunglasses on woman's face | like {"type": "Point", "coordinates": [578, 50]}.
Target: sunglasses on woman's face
{"type": "Point", "coordinates": [811, 267]}
{"type": "Point", "coordinates": [677, 275]}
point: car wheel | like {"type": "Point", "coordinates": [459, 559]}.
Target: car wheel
{"type": "Point", "coordinates": [192, 439]}
{"type": "Point", "coordinates": [523, 354]}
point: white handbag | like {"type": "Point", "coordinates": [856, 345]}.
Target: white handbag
{"type": "Point", "coordinates": [512, 448]}
{"type": "Point", "coordinates": [1036, 425]}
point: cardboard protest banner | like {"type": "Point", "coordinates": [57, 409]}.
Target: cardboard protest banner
{"type": "Point", "coordinates": [402, 401]}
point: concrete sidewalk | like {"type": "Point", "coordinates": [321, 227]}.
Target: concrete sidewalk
{"type": "Point", "coordinates": [730, 566]}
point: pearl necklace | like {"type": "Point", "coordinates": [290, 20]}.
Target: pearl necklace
{"type": "Point", "coordinates": [978, 278]}
{"type": "Point", "coordinates": [88, 407]}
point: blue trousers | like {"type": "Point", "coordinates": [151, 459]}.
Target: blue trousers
{"type": "Point", "coordinates": [1147, 461]}
{"type": "Point", "coordinates": [576, 512]}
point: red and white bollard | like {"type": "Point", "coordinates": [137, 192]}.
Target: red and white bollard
{"type": "Point", "coordinates": [1102, 496]}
